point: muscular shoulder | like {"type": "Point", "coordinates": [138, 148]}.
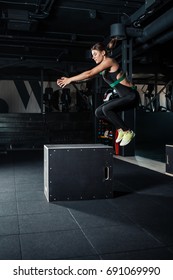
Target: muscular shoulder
{"type": "Point", "coordinates": [110, 63]}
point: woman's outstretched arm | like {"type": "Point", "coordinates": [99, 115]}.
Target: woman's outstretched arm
{"type": "Point", "coordinates": [63, 81]}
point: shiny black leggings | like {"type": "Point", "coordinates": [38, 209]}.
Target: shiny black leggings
{"type": "Point", "coordinates": [111, 110]}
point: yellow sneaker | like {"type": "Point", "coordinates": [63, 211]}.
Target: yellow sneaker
{"type": "Point", "coordinates": [120, 135]}
{"type": "Point", "coordinates": [127, 138]}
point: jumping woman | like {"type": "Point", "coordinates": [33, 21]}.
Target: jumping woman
{"type": "Point", "coordinates": [112, 74]}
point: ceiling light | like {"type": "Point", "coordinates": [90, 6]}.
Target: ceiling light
{"type": "Point", "coordinates": [118, 31]}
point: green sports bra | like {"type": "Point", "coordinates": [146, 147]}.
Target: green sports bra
{"type": "Point", "coordinates": [110, 77]}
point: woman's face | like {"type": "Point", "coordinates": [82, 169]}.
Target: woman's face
{"type": "Point", "coordinates": [98, 56]}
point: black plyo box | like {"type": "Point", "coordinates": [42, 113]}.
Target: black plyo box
{"type": "Point", "coordinates": [169, 160]}
{"type": "Point", "coordinates": [76, 172]}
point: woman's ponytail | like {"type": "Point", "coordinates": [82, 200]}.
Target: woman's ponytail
{"type": "Point", "coordinates": [112, 44]}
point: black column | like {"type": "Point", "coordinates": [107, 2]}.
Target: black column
{"type": "Point", "coordinates": [128, 116]}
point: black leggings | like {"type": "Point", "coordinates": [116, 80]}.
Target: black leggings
{"type": "Point", "coordinates": [110, 110]}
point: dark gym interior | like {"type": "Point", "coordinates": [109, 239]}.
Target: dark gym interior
{"type": "Point", "coordinates": [40, 41]}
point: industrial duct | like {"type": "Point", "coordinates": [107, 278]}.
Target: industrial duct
{"type": "Point", "coordinates": [160, 30]}
{"type": "Point", "coordinates": [157, 27]}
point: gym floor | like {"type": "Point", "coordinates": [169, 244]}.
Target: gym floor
{"type": "Point", "coordinates": [135, 224]}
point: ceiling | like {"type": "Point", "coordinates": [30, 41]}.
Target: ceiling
{"type": "Point", "coordinates": [57, 35]}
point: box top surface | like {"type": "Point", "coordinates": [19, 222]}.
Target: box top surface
{"type": "Point", "coordinates": [77, 146]}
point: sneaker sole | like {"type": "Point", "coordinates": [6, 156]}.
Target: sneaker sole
{"type": "Point", "coordinates": [121, 144]}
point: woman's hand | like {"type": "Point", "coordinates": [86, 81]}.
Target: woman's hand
{"type": "Point", "coordinates": [63, 81]}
